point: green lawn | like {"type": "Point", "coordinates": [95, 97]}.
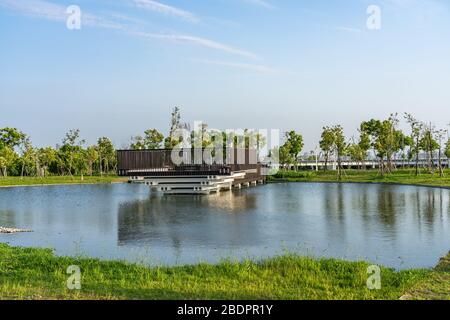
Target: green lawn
{"type": "Point", "coordinates": [37, 274]}
{"type": "Point", "coordinates": [51, 180]}
{"type": "Point", "coordinates": [365, 176]}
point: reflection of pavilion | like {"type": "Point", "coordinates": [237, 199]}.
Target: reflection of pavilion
{"type": "Point", "coordinates": [213, 220]}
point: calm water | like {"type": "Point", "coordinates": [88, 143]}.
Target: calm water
{"type": "Point", "coordinates": [398, 226]}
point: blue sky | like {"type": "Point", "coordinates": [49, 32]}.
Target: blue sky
{"type": "Point", "coordinates": [292, 64]}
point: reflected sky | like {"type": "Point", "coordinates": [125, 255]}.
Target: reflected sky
{"type": "Point", "coordinates": [398, 226]}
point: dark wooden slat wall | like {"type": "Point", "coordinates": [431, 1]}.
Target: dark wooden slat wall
{"type": "Point", "coordinates": [161, 159]}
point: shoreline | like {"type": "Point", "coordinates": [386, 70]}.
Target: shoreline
{"type": "Point", "coordinates": [63, 181]}
{"type": "Point", "coordinates": [397, 178]}
{"type": "Point", "coordinates": [312, 177]}
{"type": "Point", "coordinates": [387, 183]}
{"type": "Point", "coordinates": [62, 184]}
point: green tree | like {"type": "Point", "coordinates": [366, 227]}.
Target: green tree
{"type": "Point", "coordinates": [429, 145]}
{"type": "Point", "coordinates": [92, 156]}
{"type": "Point", "coordinates": [46, 156]}
{"type": "Point", "coordinates": [71, 149]}
{"type": "Point", "coordinates": [364, 145]}
{"type": "Point", "coordinates": [294, 145]}
{"type": "Point", "coordinates": [28, 159]}
{"type": "Point", "coordinates": [440, 135]}
{"type": "Point", "coordinates": [326, 144]}
{"type": "Point", "coordinates": [175, 124]}
{"type": "Point", "coordinates": [153, 139]}
{"type": "Point", "coordinates": [106, 154]}
{"type": "Point", "coordinates": [200, 137]}
{"type": "Point", "coordinates": [255, 140]}
{"type": "Point", "coordinates": [137, 143]}
{"type": "Point", "coordinates": [340, 147]}
{"type": "Point", "coordinates": [385, 139]}
{"type": "Point", "coordinates": [416, 129]}
{"type": "Point", "coordinates": [284, 155]}
{"type": "Point", "coordinates": [11, 137]}
{"type": "Point", "coordinates": [80, 162]}
{"type": "Point", "coordinates": [7, 158]}
{"type": "Point", "coordinates": [356, 153]}
{"type": "Point", "coordinates": [447, 149]}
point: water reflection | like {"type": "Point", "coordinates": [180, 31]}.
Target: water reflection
{"type": "Point", "coordinates": [176, 219]}
{"type": "Point", "coordinates": [398, 226]}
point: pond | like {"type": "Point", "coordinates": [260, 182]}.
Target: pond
{"type": "Point", "coordinates": [397, 226]}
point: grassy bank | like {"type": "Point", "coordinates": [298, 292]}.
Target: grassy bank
{"type": "Point", "coordinates": [52, 180]}
{"type": "Point", "coordinates": [37, 274]}
{"type": "Point", "coordinates": [437, 286]}
{"type": "Point", "coordinates": [365, 176]}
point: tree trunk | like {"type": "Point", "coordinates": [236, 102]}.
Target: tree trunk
{"type": "Point", "coordinates": [417, 157]}
{"type": "Point", "coordinates": [23, 168]}
{"type": "Point", "coordinates": [381, 167]}
{"type": "Point", "coordinates": [100, 167]}
{"type": "Point", "coordinates": [339, 168]}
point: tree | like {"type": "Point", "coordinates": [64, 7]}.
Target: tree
{"type": "Point", "coordinates": [71, 148]}
{"type": "Point", "coordinates": [92, 157]}
{"type": "Point", "coordinates": [356, 153]}
{"type": "Point", "coordinates": [284, 155]}
{"type": "Point", "coordinates": [326, 144]}
{"type": "Point", "coordinates": [200, 138]}
{"type": "Point", "coordinates": [80, 162]}
{"type": "Point", "coordinates": [406, 142]}
{"type": "Point", "coordinates": [137, 143]}
{"type": "Point", "coordinates": [447, 152]}
{"type": "Point", "coordinates": [28, 159]}
{"type": "Point", "coordinates": [447, 149]}
{"type": "Point", "coordinates": [46, 156]}
{"type": "Point", "coordinates": [429, 144]}
{"type": "Point", "coordinates": [153, 139]}
{"type": "Point", "coordinates": [364, 146]}
{"type": "Point", "coordinates": [340, 147]}
{"type": "Point", "coordinates": [7, 158]}
{"type": "Point", "coordinates": [385, 139]}
{"type": "Point", "coordinates": [175, 124]}
{"type": "Point", "coordinates": [11, 137]}
{"type": "Point", "coordinates": [106, 154]}
{"type": "Point", "coordinates": [294, 145]}
{"type": "Point", "coordinates": [255, 141]}
{"type": "Point", "coordinates": [416, 128]}
{"type": "Point", "coordinates": [440, 134]}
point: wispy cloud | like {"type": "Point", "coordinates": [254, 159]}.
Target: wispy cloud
{"type": "Point", "coordinates": [429, 5]}
{"type": "Point", "coordinates": [400, 3]}
{"type": "Point", "coordinates": [54, 12]}
{"type": "Point", "coordinates": [50, 11]}
{"type": "Point", "coordinates": [349, 29]}
{"type": "Point", "coordinates": [204, 42]}
{"type": "Point", "coordinates": [261, 3]}
{"type": "Point", "coordinates": [243, 66]}
{"type": "Point", "coordinates": [156, 6]}
{"type": "Point", "coordinates": [36, 8]}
